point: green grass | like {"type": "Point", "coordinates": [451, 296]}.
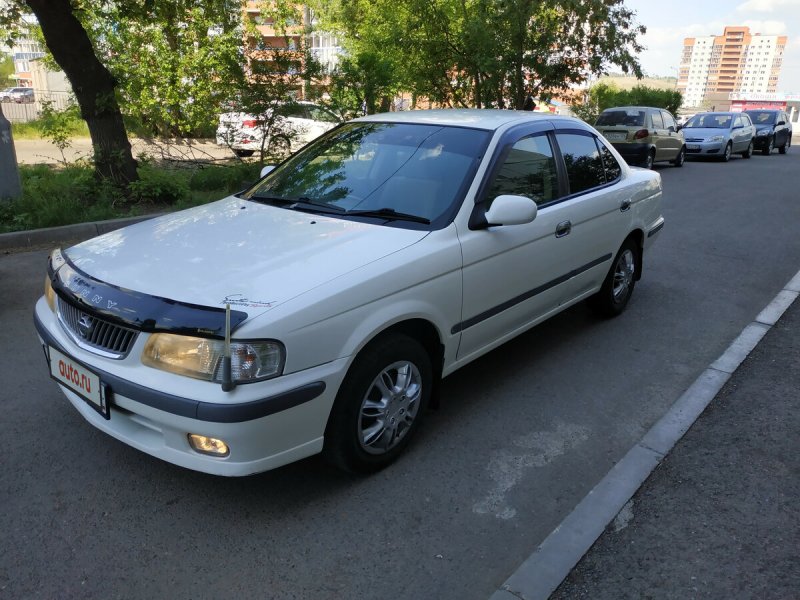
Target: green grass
{"type": "Point", "coordinates": [53, 196]}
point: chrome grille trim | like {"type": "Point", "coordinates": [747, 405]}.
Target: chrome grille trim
{"type": "Point", "coordinates": [94, 333]}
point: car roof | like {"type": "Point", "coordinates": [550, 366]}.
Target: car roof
{"type": "Point", "coordinates": [764, 110]}
{"type": "Point", "coordinates": [634, 108]}
{"type": "Point", "coordinates": [489, 119]}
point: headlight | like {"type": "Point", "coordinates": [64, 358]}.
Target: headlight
{"type": "Point", "coordinates": [716, 138]}
{"type": "Point", "coordinates": [201, 358]}
{"type": "Point", "coordinates": [49, 294]}
{"type": "Point", "coordinates": [764, 132]}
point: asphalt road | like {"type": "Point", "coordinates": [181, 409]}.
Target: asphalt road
{"type": "Point", "coordinates": [523, 434]}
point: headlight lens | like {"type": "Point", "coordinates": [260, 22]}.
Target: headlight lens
{"type": "Point", "coordinates": [764, 131]}
{"type": "Point", "coordinates": [49, 294]}
{"type": "Point", "coordinates": [716, 138]}
{"type": "Point", "coordinates": [201, 358]}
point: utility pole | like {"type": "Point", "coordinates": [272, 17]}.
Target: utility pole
{"type": "Point", "coordinates": [9, 172]}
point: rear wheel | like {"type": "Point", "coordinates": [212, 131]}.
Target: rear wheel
{"type": "Point", "coordinates": [380, 404]}
{"type": "Point", "coordinates": [749, 152]}
{"type": "Point", "coordinates": [649, 159]}
{"type": "Point", "coordinates": [618, 285]}
{"type": "Point", "coordinates": [769, 147]}
{"type": "Point", "coordinates": [726, 155]}
{"type": "Point", "coordinates": [681, 158]}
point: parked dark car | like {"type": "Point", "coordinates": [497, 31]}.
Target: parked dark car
{"type": "Point", "coordinates": [773, 130]}
{"type": "Point", "coordinates": [643, 134]}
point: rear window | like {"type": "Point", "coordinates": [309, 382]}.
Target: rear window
{"type": "Point", "coordinates": [624, 118]}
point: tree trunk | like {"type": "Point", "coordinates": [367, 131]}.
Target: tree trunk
{"type": "Point", "coordinates": [93, 85]}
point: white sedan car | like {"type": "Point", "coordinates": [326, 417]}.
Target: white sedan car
{"type": "Point", "coordinates": [316, 311]}
{"type": "Point", "coordinates": [302, 121]}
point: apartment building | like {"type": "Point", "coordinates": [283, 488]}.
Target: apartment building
{"type": "Point", "coordinates": [737, 61]}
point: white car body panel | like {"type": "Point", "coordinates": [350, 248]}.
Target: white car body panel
{"type": "Point", "coordinates": [326, 286]}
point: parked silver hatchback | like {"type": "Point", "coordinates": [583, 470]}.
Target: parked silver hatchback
{"type": "Point", "coordinates": [719, 135]}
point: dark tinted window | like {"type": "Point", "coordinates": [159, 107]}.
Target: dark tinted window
{"type": "Point", "coordinates": [528, 170]}
{"type": "Point", "coordinates": [658, 122]}
{"type": "Point", "coordinates": [582, 159]}
{"type": "Point", "coordinates": [623, 117]}
{"type": "Point", "coordinates": [610, 164]}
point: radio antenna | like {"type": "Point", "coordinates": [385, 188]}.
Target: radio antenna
{"type": "Point", "coordinates": [227, 380]}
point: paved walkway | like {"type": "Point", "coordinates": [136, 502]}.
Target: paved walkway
{"type": "Point", "coordinates": [720, 517]}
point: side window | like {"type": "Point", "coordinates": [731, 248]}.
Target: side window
{"type": "Point", "coordinates": [529, 170]}
{"type": "Point", "coordinates": [739, 122]}
{"type": "Point", "coordinates": [610, 164]}
{"type": "Point", "coordinates": [658, 122]}
{"type": "Point", "coordinates": [582, 159]}
{"type": "Point", "coordinates": [668, 120]}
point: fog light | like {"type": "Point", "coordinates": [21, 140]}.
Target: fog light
{"type": "Point", "coordinates": [208, 445]}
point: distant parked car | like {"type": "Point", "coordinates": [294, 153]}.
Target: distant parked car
{"type": "Point", "coordinates": [773, 130]}
{"type": "Point", "coordinates": [243, 133]}
{"type": "Point", "coordinates": [643, 135]}
{"type": "Point", "coordinates": [719, 135]}
{"type": "Point", "coordinates": [20, 95]}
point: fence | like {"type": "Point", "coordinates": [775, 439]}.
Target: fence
{"type": "Point", "coordinates": [22, 113]}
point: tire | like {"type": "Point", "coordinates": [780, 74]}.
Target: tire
{"type": "Point", "coordinates": [244, 153]}
{"type": "Point", "coordinates": [380, 404]}
{"type": "Point", "coordinates": [768, 150]}
{"type": "Point", "coordinates": [786, 145]}
{"type": "Point", "coordinates": [726, 156]}
{"type": "Point", "coordinates": [749, 152]}
{"type": "Point", "coordinates": [681, 158]}
{"type": "Point", "coordinates": [618, 285]}
{"type": "Point", "coordinates": [649, 160]}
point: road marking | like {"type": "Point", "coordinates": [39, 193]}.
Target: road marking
{"type": "Point", "coordinates": [536, 449]}
{"type": "Point", "coordinates": [545, 569]}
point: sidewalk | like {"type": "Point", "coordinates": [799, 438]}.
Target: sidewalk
{"type": "Point", "coordinates": [720, 517]}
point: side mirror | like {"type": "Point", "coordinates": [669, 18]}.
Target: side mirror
{"type": "Point", "coordinates": [781, 122]}
{"type": "Point", "coordinates": [267, 169]}
{"type": "Point", "coordinates": [671, 129]}
{"type": "Point", "coordinates": [511, 210]}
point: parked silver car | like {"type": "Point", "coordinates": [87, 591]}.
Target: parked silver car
{"type": "Point", "coordinates": [719, 135]}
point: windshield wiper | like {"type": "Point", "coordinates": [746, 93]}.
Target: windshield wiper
{"type": "Point", "coordinates": [389, 214]}
{"type": "Point", "coordinates": [302, 203]}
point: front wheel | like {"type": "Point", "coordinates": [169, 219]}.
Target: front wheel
{"type": "Point", "coordinates": [681, 158]}
{"type": "Point", "coordinates": [380, 404]}
{"type": "Point", "coordinates": [786, 145]}
{"type": "Point", "coordinates": [244, 153]}
{"type": "Point", "coordinates": [726, 156]}
{"type": "Point", "coordinates": [618, 285]}
{"type": "Point", "coordinates": [749, 152]}
{"type": "Point", "coordinates": [770, 146]}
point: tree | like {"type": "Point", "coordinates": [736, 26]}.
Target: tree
{"type": "Point", "coordinates": [603, 95]}
{"type": "Point", "coordinates": [6, 68]}
{"type": "Point", "coordinates": [488, 52]}
{"type": "Point", "coordinates": [94, 86]}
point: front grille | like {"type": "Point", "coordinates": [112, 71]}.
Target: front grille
{"type": "Point", "coordinates": [94, 333]}
{"type": "Point", "coordinates": [694, 139]}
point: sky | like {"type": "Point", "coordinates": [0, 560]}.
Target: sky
{"type": "Point", "coordinates": [668, 23]}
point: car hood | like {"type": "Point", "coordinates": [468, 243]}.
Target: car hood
{"type": "Point", "coordinates": [704, 132]}
{"type": "Point", "coordinates": [234, 251]}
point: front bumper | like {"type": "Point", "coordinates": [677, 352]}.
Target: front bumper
{"type": "Point", "coordinates": [761, 141]}
{"type": "Point", "coordinates": [705, 148]}
{"type": "Point", "coordinates": [266, 424]}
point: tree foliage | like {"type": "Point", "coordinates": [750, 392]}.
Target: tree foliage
{"type": "Point", "coordinates": [487, 52]}
{"type": "Point", "coordinates": [603, 95]}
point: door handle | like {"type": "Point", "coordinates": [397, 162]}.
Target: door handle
{"type": "Point", "coordinates": [563, 228]}
{"type": "Point", "coordinates": [626, 204]}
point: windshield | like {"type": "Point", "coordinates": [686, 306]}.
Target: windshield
{"type": "Point", "coordinates": [709, 121]}
{"type": "Point", "coordinates": [408, 169]}
{"type": "Point", "coordinates": [762, 117]}
{"type": "Point", "coordinates": [625, 118]}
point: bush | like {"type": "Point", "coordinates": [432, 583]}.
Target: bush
{"type": "Point", "coordinates": [159, 186]}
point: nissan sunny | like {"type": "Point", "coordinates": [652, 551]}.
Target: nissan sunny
{"type": "Point", "coordinates": [316, 311]}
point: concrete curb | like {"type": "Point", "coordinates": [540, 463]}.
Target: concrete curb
{"type": "Point", "coordinates": [544, 570]}
{"type": "Point", "coordinates": [21, 240]}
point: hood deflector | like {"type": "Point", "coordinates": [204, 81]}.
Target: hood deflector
{"type": "Point", "coordinates": [136, 310]}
